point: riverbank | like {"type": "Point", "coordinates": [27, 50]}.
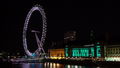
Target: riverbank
{"type": "Point", "coordinates": [85, 62]}
{"type": "Point", "coordinates": [72, 62]}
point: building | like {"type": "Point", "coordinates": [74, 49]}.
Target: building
{"type": "Point", "coordinates": [95, 51]}
{"type": "Point", "coordinates": [69, 36]}
{"type": "Point", "coordinates": [56, 53]}
{"type": "Point", "coordinates": [112, 53]}
{"type": "Point", "coordinates": [92, 51]}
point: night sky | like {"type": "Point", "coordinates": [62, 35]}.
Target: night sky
{"type": "Point", "coordinates": [62, 15]}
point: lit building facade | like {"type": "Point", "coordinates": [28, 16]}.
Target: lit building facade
{"type": "Point", "coordinates": [86, 51]}
{"type": "Point", "coordinates": [97, 51]}
{"type": "Point", "coordinates": [112, 53]}
{"type": "Point", "coordinates": [79, 52]}
{"type": "Point", "coordinates": [56, 53]}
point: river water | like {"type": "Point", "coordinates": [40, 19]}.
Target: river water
{"type": "Point", "coordinates": [49, 65]}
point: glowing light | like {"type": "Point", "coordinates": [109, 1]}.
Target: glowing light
{"type": "Point", "coordinates": [66, 52]}
{"type": "Point", "coordinates": [57, 53]}
{"type": "Point", "coordinates": [98, 53]}
{"type": "Point", "coordinates": [92, 52]}
{"type": "Point", "coordinates": [54, 65]}
{"type": "Point", "coordinates": [33, 54]}
{"type": "Point", "coordinates": [57, 57]}
{"type": "Point", "coordinates": [58, 65]}
{"type": "Point", "coordinates": [98, 42]}
{"type": "Point", "coordinates": [98, 67]}
{"type": "Point", "coordinates": [48, 64]}
{"type": "Point", "coordinates": [51, 65]}
{"type": "Point", "coordinates": [112, 58]}
{"type": "Point", "coordinates": [68, 66]}
{"type": "Point", "coordinates": [76, 66]}
{"type": "Point", "coordinates": [75, 52]}
{"type": "Point", "coordinates": [80, 52]}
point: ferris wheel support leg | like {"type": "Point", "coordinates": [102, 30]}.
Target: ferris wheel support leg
{"type": "Point", "coordinates": [40, 47]}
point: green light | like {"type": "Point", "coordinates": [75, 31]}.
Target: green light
{"type": "Point", "coordinates": [98, 53]}
{"type": "Point", "coordinates": [97, 46]}
{"type": "Point", "coordinates": [80, 52]}
{"type": "Point", "coordinates": [87, 52]}
{"type": "Point", "coordinates": [84, 52]}
{"type": "Point", "coordinates": [75, 52]}
{"type": "Point", "coordinates": [92, 52]}
{"type": "Point", "coordinates": [66, 52]}
{"type": "Point", "coordinates": [98, 42]}
{"type": "Point", "coordinates": [72, 52]}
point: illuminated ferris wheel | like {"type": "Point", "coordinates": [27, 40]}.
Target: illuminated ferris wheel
{"type": "Point", "coordinates": [40, 41]}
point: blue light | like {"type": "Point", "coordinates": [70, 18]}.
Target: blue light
{"type": "Point", "coordinates": [33, 54]}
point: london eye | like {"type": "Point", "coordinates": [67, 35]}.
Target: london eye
{"type": "Point", "coordinates": [40, 41]}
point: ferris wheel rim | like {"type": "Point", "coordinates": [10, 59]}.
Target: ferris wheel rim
{"type": "Point", "coordinates": [44, 23]}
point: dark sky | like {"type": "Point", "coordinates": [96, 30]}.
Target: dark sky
{"type": "Point", "coordinates": [62, 15]}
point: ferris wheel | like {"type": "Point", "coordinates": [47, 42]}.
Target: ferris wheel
{"type": "Point", "coordinates": [40, 41]}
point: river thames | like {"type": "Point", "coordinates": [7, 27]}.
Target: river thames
{"type": "Point", "coordinates": [50, 65]}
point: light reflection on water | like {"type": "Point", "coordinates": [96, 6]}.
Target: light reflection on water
{"type": "Point", "coordinates": [48, 65]}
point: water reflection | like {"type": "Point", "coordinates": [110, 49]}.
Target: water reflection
{"type": "Point", "coordinates": [42, 65]}
{"type": "Point", "coordinates": [32, 65]}
{"type": "Point", "coordinates": [53, 65]}
{"type": "Point", "coordinates": [78, 66]}
{"type": "Point", "coordinates": [49, 65]}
